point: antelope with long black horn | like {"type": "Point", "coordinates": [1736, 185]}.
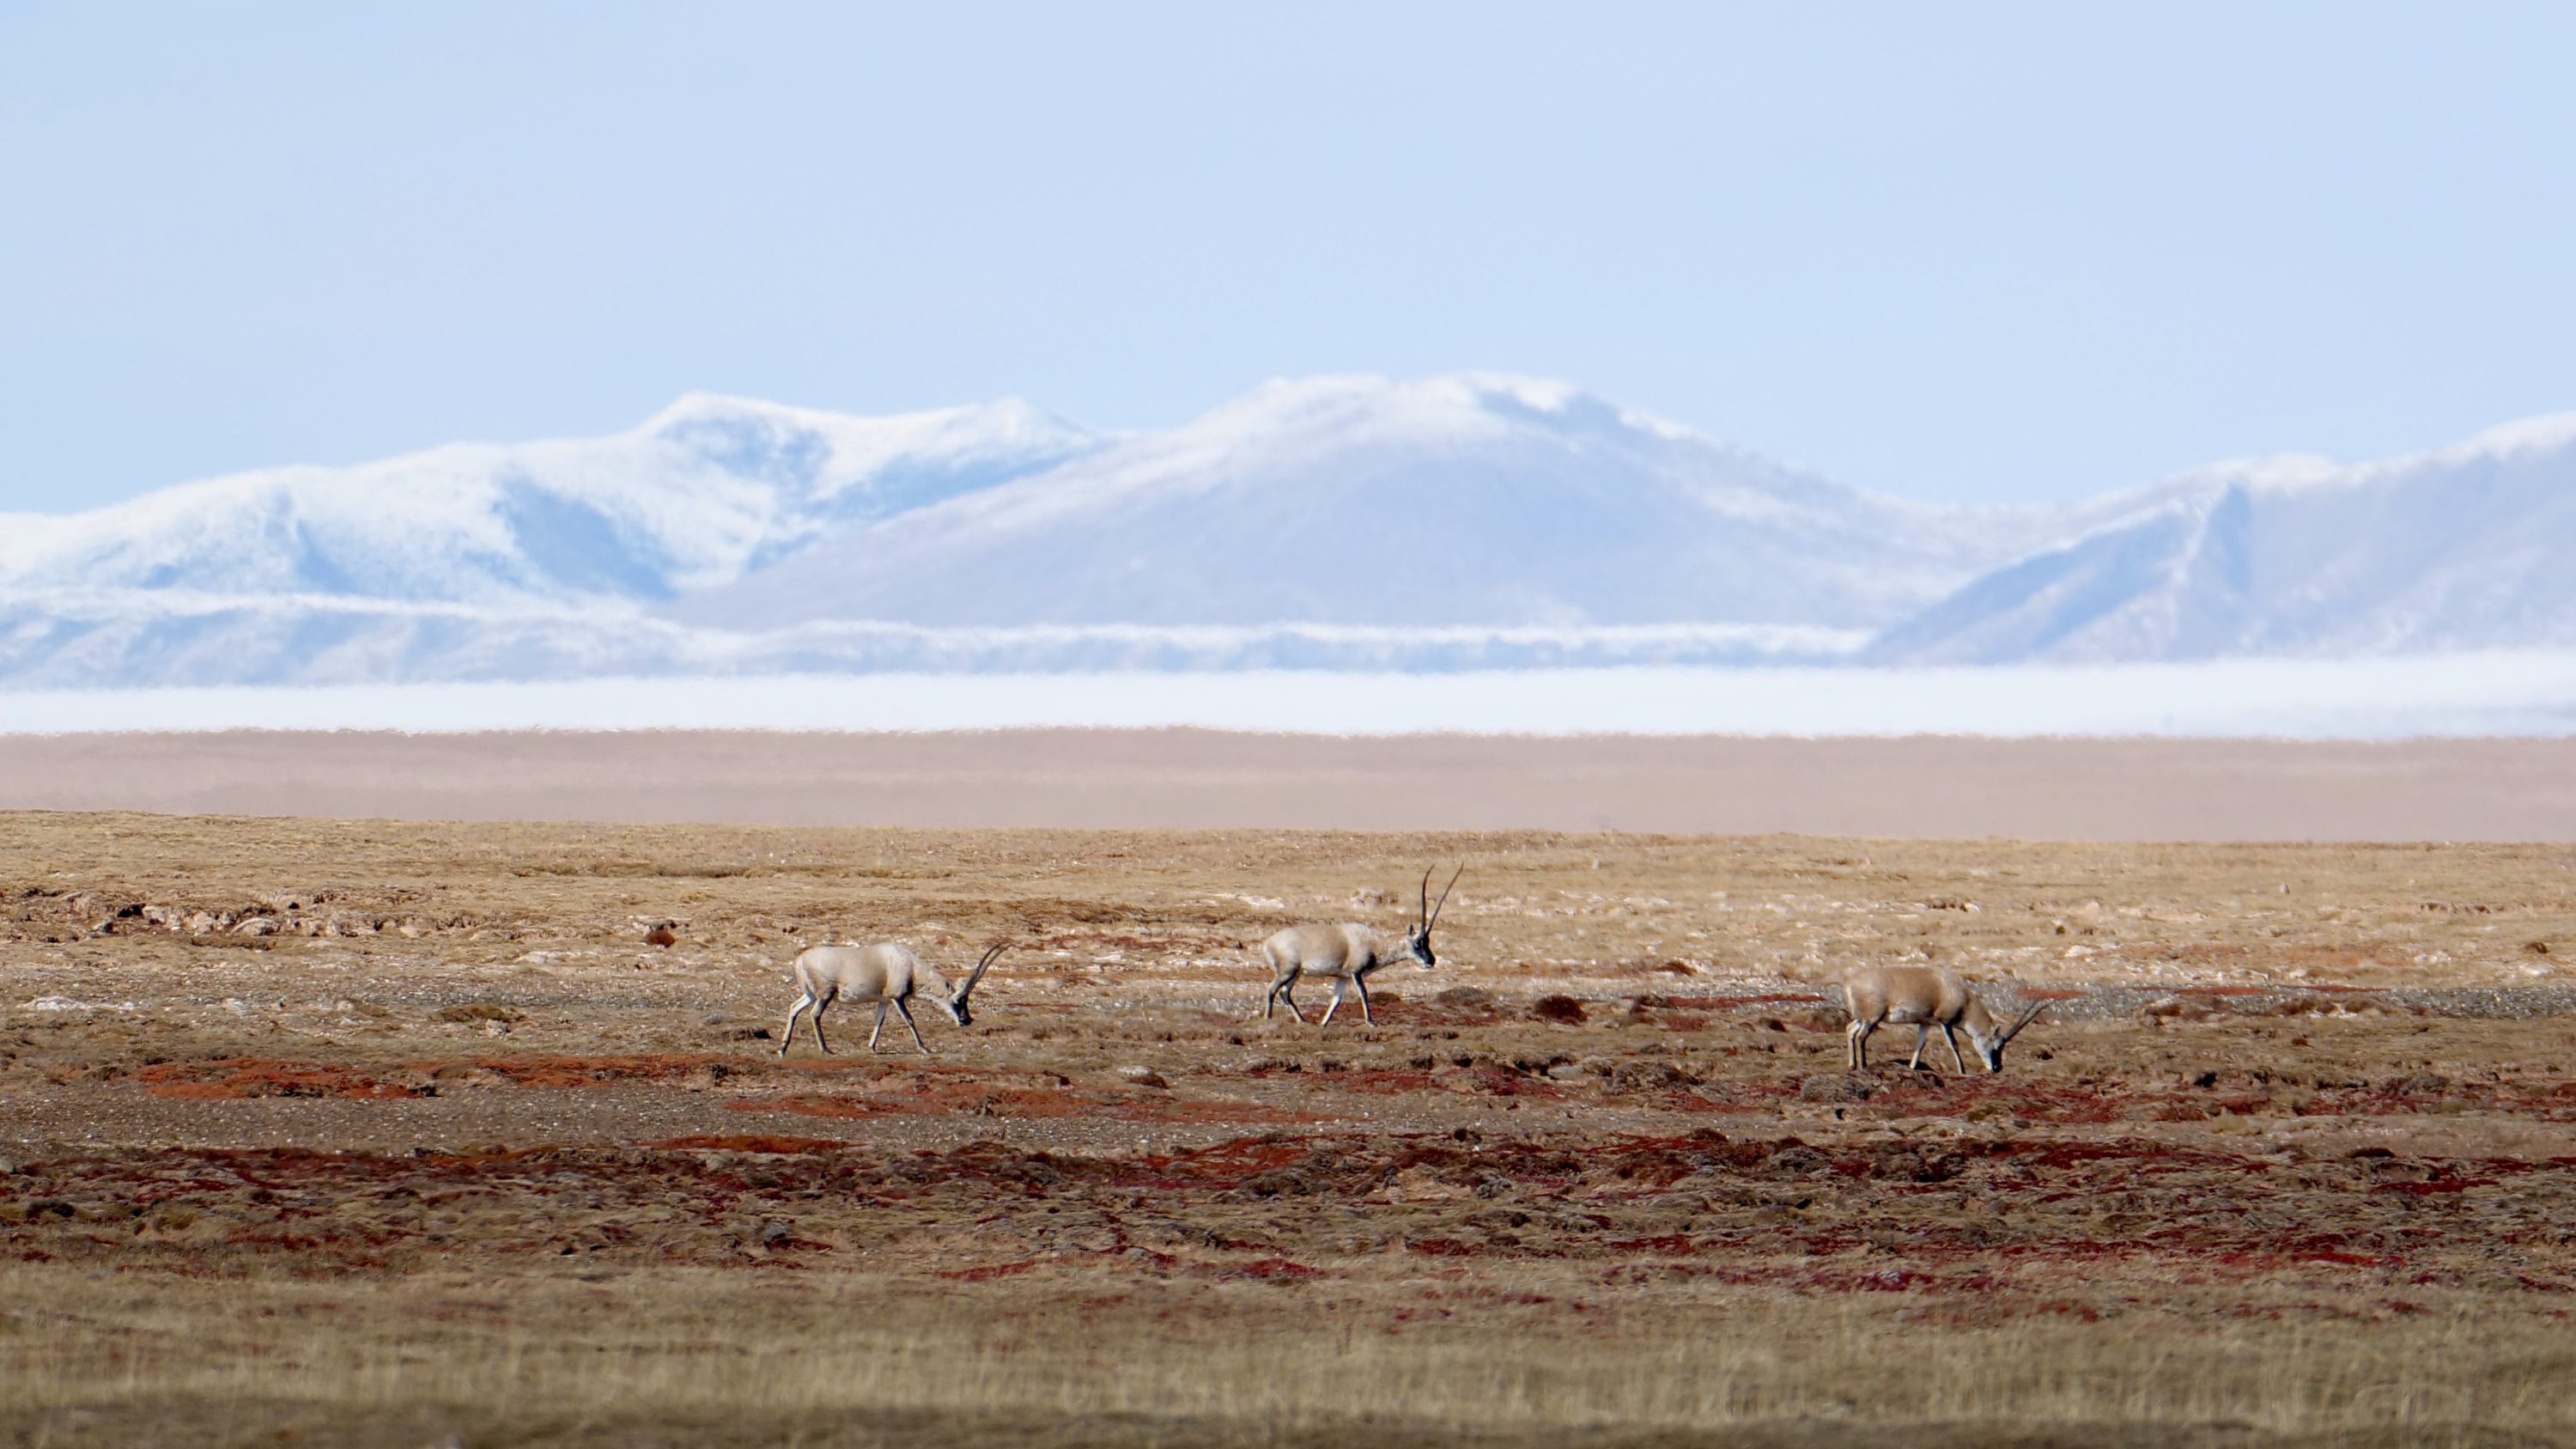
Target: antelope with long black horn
{"type": "Point", "coordinates": [1345, 954]}
{"type": "Point", "coordinates": [885, 972]}
{"type": "Point", "coordinates": [1924, 997]}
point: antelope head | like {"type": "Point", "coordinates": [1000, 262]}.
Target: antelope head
{"type": "Point", "coordinates": [1417, 940]}
{"type": "Point", "coordinates": [954, 1002]}
{"type": "Point", "coordinates": [1989, 1039]}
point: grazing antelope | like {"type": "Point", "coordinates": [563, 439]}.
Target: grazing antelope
{"type": "Point", "coordinates": [1347, 953]}
{"type": "Point", "coordinates": [1925, 997]}
{"type": "Point", "coordinates": [885, 973]}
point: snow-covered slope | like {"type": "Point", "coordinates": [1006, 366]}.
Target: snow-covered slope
{"type": "Point", "coordinates": [709, 488]}
{"type": "Point", "coordinates": [1456, 501]}
{"type": "Point", "coordinates": [2465, 548]}
{"type": "Point", "coordinates": [1339, 523]}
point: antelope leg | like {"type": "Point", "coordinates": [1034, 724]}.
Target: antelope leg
{"type": "Point", "coordinates": [880, 1026]}
{"type": "Point", "coordinates": [1335, 1004]}
{"type": "Point", "coordinates": [907, 1021]}
{"type": "Point", "coordinates": [1856, 1040]}
{"type": "Point", "coordinates": [1362, 983]}
{"type": "Point", "coordinates": [789, 1035]}
{"type": "Point", "coordinates": [1921, 1030]}
{"type": "Point", "coordinates": [1288, 998]}
{"type": "Point", "coordinates": [817, 1018]}
{"type": "Point", "coordinates": [1953, 1040]}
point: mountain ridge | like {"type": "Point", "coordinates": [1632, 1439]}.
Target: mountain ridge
{"type": "Point", "coordinates": [1470, 520]}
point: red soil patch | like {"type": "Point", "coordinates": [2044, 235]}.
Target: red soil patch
{"type": "Point", "coordinates": [1234, 1161]}
{"type": "Point", "coordinates": [235, 1078]}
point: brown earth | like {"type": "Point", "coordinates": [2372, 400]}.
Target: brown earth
{"type": "Point", "coordinates": [376, 1132]}
{"type": "Point", "coordinates": [1923, 787]}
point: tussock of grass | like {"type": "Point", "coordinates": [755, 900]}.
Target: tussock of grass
{"type": "Point", "coordinates": [711, 1348]}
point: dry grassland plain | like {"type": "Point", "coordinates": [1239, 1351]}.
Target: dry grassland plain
{"type": "Point", "coordinates": [372, 1132]}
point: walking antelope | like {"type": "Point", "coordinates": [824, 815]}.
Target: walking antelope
{"type": "Point", "coordinates": [1345, 954]}
{"type": "Point", "coordinates": [885, 973]}
{"type": "Point", "coordinates": [1925, 997]}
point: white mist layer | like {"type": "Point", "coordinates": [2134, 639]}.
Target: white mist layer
{"type": "Point", "coordinates": [2492, 693]}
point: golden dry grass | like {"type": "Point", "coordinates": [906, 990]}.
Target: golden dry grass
{"type": "Point", "coordinates": [454, 1152]}
{"type": "Point", "coordinates": [731, 1360]}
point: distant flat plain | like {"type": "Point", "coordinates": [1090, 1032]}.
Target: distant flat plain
{"type": "Point", "coordinates": [1917, 787]}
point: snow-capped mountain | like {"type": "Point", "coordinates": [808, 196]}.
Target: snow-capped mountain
{"type": "Point", "coordinates": [2465, 548]}
{"type": "Point", "coordinates": [1457, 501]}
{"type": "Point", "coordinates": [1451, 522]}
{"type": "Point", "coordinates": [706, 490]}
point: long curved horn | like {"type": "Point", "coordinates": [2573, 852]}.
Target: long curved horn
{"type": "Point", "coordinates": [1444, 894]}
{"type": "Point", "coordinates": [982, 966]}
{"type": "Point", "coordinates": [2025, 1019]}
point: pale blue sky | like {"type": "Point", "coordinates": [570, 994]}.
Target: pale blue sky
{"type": "Point", "coordinates": [1970, 251]}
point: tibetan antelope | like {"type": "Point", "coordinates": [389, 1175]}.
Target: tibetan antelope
{"type": "Point", "coordinates": [1347, 953]}
{"type": "Point", "coordinates": [1925, 997]}
{"type": "Point", "coordinates": [885, 973]}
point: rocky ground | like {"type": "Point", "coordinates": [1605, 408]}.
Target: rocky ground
{"type": "Point", "coordinates": [342, 1131]}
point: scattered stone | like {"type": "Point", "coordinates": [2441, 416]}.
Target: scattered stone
{"type": "Point", "coordinates": [665, 934]}
{"type": "Point", "coordinates": [1465, 998]}
{"type": "Point", "coordinates": [1143, 1076]}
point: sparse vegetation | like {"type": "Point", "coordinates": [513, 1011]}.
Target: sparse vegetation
{"type": "Point", "coordinates": [2283, 1163]}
